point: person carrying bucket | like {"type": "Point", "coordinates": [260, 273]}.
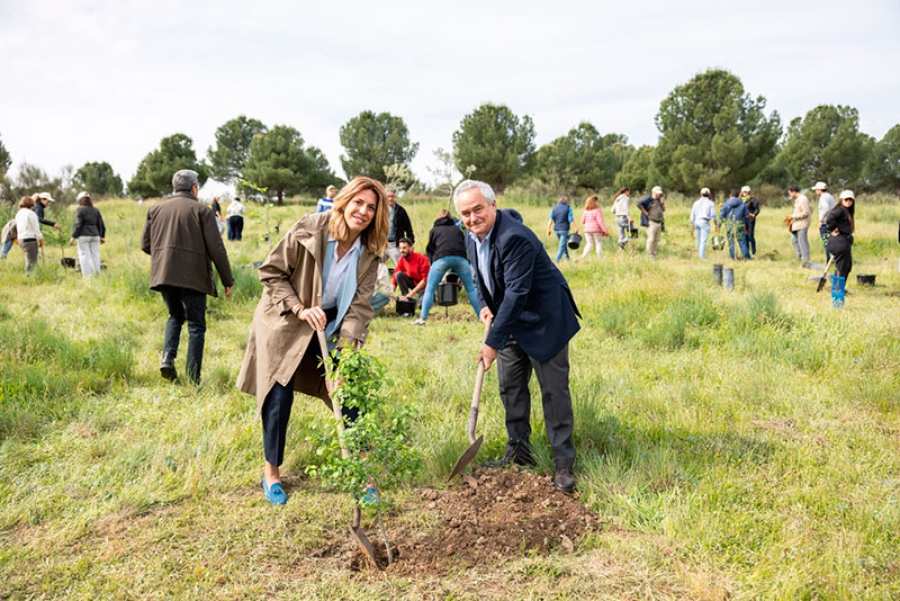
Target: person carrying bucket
{"type": "Point", "coordinates": [561, 218]}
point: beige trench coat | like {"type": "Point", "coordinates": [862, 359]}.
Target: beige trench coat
{"type": "Point", "coordinates": [292, 274]}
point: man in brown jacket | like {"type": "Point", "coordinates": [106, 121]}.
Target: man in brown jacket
{"type": "Point", "coordinates": [182, 239]}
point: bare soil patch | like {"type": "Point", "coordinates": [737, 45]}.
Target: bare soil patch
{"type": "Point", "coordinates": [489, 517]}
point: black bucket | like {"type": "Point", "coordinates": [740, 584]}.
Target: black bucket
{"type": "Point", "coordinates": [574, 241]}
{"type": "Point", "coordinates": [865, 279]}
{"type": "Point", "coordinates": [406, 308]}
{"type": "Point", "coordinates": [68, 262]}
{"type": "Point", "coordinates": [447, 294]}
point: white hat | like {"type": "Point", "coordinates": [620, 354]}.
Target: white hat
{"type": "Point", "coordinates": [46, 196]}
{"type": "Point", "coordinates": [745, 189]}
{"type": "Point", "coordinates": [704, 191]}
{"type": "Point", "coordinates": [847, 194]}
{"type": "Point", "coordinates": [820, 186]}
{"type": "Point", "coordinates": [656, 190]}
{"type": "Point", "coordinates": [81, 195]}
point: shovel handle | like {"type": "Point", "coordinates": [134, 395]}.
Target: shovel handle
{"type": "Point", "coordinates": [335, 404]}
{"type": "Point", "coordinates": [824, 275]}
{"type": "Point", "coordinates": [476, 395]}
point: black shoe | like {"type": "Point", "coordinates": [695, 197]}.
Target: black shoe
{"type": "Point", "coordinates": [518, 454]}
{"type": "Point", "coordinates": [564, 480]}
{"type": "Point", "coordinates": [167, 368]}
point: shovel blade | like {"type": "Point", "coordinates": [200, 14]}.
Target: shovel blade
{"type": "Point", "coordinates": [466, 458]}
{"type": "Point", "coordinates": [364, 545]}
{"type": "Point", "coordinates": [821, 283]}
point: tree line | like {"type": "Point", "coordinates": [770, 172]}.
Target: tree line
{"type": "Point", "coordinates": [712, 133]}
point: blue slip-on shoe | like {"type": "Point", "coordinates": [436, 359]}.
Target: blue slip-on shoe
{"type": "Point", "coordinates": [275, 493]}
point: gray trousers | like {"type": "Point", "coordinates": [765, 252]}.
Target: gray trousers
{"type": "Point", "coordinates": [514, 369]}
{"type": "Point", "coordinates": [30, 247]}
{"type": "Point", "coordinates": [801, 244]}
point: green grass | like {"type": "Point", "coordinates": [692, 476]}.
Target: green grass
{"type": "Point", "coordinates": [736, 444]}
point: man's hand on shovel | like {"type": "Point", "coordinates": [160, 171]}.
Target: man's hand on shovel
{"type": "Point", "coordinates": [487, 354]}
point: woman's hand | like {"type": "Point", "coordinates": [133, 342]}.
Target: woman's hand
{"type": "Point", "coordinates": [314, 316]}
{"type": "Point", "coordinates": [71, 241]}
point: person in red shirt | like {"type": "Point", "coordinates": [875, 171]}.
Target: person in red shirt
{"type": "Point", "coordinates": [411, 273]}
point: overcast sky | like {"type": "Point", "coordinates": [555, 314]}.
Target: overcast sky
{"type": "Point", "coordinates": [107, 80]}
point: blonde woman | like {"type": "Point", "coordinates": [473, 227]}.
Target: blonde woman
{"type": "Point", "coordinates": [594, 226]}
{"type": "Point", "coordinates": [320, 276]}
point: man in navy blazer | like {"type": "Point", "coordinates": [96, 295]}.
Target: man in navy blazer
{"type": "Point", "coordinates": [534, 317]}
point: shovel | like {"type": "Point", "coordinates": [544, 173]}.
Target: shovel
{"type": "Point", "coordinates": [824, 275]}
{"type": "Point", "coordinates": [361, 539]}
{"type": "Point", "coordinates": [474, 443]}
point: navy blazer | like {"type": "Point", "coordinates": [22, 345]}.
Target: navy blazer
{"type": "Point", "coordinates": [531, 300]}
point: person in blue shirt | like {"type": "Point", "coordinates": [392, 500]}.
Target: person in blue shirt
{"type": "Point", "coordinates": [561, 219]}
{"type": "Point", "coordinates": [736, 218]}
{"type": "Point", "coordinates": [326, 203]}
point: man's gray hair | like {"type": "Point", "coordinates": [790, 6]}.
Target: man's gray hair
{"type": "Point", "coordinates": [468, 184]}
{"type": "Point", "coordinates": [184, 180]}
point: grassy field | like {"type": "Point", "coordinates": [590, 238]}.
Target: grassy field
{"type": "Point", "coordinates": [741, 445]}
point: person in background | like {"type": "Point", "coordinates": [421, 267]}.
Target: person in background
{"type": "Point", "coordinates": [621, 210]}
{"type": "Point", "coordinates": [752, 211]}
{"type": "Point", "coordinates": [236, 219]}
{"type": "Point", "coordinates": [183, 242]}
{"type": "Point", "coordinates": [217, 209]}
{"type": "Point", "coordinates": [735, 217]}
{"type": "Point", "coordinates": [8, 237]}
{"type": "Point", "coordinates": [799, 223]}
{"type": "Point", "coordinates": [90, 232]}
{"type": "Point", "coordinates": [411, 273]}
{"type": "Point", "coordinates": [533, 315]}
{"type": "Point", "coordinates": [28, 229]}
{"type": "Point", "coordinates": [840, 225]}
{"type": "Point", "coordinates": [319, 277]}
{"type": "Point", "coordinates": [384, 293]}
{"type": "Point", "coordinates": [401, 227]}
{"type": "Point", "coordinates": [446, 250]}
{"type": "Point", "coordinates": [42, 201]}
{"type": "Point", "coordinates": [653, 208]}
{"type": "Point", "coordinates": [703, 211]}
{"type": "Point", "coordinates": [327, 202]}
{"type": "Point", "coordinates": [561, 218]}
{"type": "Point", "coordinates": [594, 226]}
{"type": "Point", "coordinates": [826, 203]}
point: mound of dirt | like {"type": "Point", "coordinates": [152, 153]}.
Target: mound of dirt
{"type": "Point", "coordinates": [487, 518]}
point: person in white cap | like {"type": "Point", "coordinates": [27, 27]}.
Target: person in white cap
{"type": "Point", "coordinates": [652, 208]}
{"type": "Point", "coordinates": [702, 213]}
{"type": "Point", "coordinates": [41, 201]}
{"type": "Point", "coordinates": [840, 225]}
{"type": "Point", "coordinates": [826, 203]}
{"type": "Point", "coordinates": [752, 204]}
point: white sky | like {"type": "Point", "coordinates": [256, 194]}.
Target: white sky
{"type": "Point", "coordinates": [106, 80]}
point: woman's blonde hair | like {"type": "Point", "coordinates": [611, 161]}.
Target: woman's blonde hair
{"type": "Point", "coordinates": [443, 213]}
{"type": "Point", "coordinates": [374, 237]}
{"type": "Point", "coordinates": [591, 203]}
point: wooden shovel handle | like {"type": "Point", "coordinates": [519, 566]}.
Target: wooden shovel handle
{"type": "Point", "coordinates": [335, 404]}
{"type": "Point", "coordinates": [476, 395]}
